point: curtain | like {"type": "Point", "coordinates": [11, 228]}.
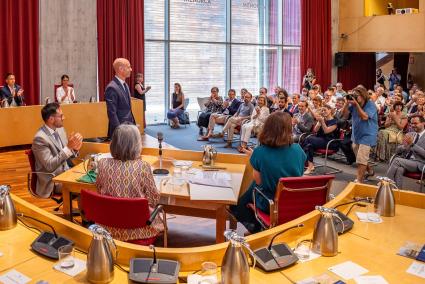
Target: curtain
{"type": "Point", "coordinates": [19, 40]}
{"type": "Point", "coordinates": [316, 44]}
{"type": "Point", "coordinates": [401, 62]}
{"type": "Point", "coordinates": [360, 69]}
{"type": "Point", "coordinates": [120, 29]}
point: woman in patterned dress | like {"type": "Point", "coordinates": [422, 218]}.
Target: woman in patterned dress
{"type": "Point", "coordinates": [127, 175]}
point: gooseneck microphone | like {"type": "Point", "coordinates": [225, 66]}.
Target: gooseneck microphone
{"type": "Point", "coordinates": [47, 243]}
{"type": "Point", "coordinates": [274, 257]}
{"type": "Point", "coordinates": [160, 171]}
{"type": "Point", "coordinates": [278, 234]}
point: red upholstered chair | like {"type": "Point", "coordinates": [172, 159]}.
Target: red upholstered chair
{"type": "Point", "coordinates": [328, 152]}
{"type": "Point", "coordinates": [418, 176]}
{"type": "Point", "coordinates": [125, 213]}
{"type": "Point", "coordinates": [295, 196]}
{"type": "Point", "coordinates": [32, 180]}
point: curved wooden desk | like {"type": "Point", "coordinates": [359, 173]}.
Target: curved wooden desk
{"type": "Point", "coordinates": [90, 119]}
{"type": "Point", "coordinates": [373, 246]}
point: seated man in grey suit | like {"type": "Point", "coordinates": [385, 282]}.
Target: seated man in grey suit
{"type": "Point", "coordinates": [302, 122]}
{"type": "Point", "coordinates": [411, 155]}
{"type": "Point", "coordinates": [52, 149]}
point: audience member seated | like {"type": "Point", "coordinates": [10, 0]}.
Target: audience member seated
{"type": "Point", "coordinates": [416, 104]}
{"type": "Point", "coordinates": [230, 107]}
{"type": "Point", "coordinates": [52, 149]}
{"type": "Point", "coordinates": [302, 122]}
{"type": "Point", "coordinates": [177, 100]}
{"type": "Point", "coordinates": [294, 106]}
{"type": "Point", "coordinates": [339, 90]}
{"type": "Point", "coordinates": [410, 156]}
{"type": "Point", "coordinates": [214, 104]}
{"type": "Point", "coordinates": [326, 129]}
{"type": "Point", "coordinates": [380, 98]}
{"type": "Point", "coordinates": [127, 175]}
{"type": "Point", "coordinates": [395, 122]}
{"type": "Point", "coordinates": [329, 97]}
{"type": "Point", "coordinates": [65, 94]}
{"type": "Point", "coordinates": [282, 104]}
{"type": "Point", "coordinates": [258, 118]}
{"type": "Point", "coordinates": [275, 158]}
{"type": "Point", "coordinates": [316, 104]}
{"type": "Point", "coordinates": [346, 146]}
{"type": "Point", "coordinates": [11, 94]}
{"type": "Point", "coordinates": [244, 112]}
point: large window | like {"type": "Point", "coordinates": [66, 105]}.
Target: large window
{"type": "Point", "coordinates": [224, 43]}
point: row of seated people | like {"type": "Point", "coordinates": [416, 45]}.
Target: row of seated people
{"type": "Point", "coordinates": [12, 94]}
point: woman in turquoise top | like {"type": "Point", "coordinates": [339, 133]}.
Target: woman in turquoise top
{"type": "Point", "coordinates": [275, 158]}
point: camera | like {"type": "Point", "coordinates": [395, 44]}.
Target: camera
{"type": "Point", "coordinates": [350, 96]}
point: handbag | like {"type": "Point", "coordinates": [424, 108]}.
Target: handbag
{"type": "Point", "coordinates": [394, 138]}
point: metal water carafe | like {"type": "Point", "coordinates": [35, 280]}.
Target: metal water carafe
{"type": "Point", "coordinates": [210, 153]}
{"type": "Point", "coordinates": [101, 255]}
{"type": "Point", "coordinates": [325, 237]}
{"type": "Point", "coordinates": [8, 218]}
{"type": "Point", "coordinates": [384, 200]}
{"type": "Point", "coordinates": [235, 267]}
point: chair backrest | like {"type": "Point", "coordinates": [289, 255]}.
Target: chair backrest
{"type": "Point", "coordinates": [32, 177]}
{"type": "Point", "coordinates": [201, 102]}
{"type": "Point", "coordinates": [296, 196]}
{"type": "Point", "coordinates": [125, 213]}
{"type": "Point", "coordinates": [56, 87]}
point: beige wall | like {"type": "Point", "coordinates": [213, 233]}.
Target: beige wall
{"type": "Point", "coordinates": [68, 45]}
{"type": "Point", "coordinates": [391, 33]}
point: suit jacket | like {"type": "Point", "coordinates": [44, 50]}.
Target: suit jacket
{"type": "Point", "coordinates": [49, 158]}
{"type": "Point", "coordinates": [418, 149]}
{"type": "Point", "coordinates": [234, 106]}
{"type": "Point", "coordinates": [118, 104]}
{"type": "Point", "coordinates": [6, 94]}
{"type": "Point", "coordinates": [305, 123]}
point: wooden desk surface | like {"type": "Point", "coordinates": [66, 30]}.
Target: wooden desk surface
{"type": "Point", "coordinates": [69, 178]}
{"type": "Point", "coordinates": [90, 119]}
{"type": "Point", "coordinates": [373, 246]}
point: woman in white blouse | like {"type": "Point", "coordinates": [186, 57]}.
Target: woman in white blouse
{"type": "Point", "coordinates": [258, 117]}
{"type": "Point", "coordinates": [65, 94]}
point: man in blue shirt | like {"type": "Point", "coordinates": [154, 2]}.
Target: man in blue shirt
{"type": "Point", "coordinates": [364, 128]}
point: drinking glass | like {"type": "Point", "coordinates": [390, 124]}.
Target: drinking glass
{"type": "Point", "coordinates": [66, 256]}
{"type": "Point", "coordinates": [302, 251]}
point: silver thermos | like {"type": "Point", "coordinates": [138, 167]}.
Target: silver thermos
{"type": "Point", "coordinates": [235, 267]}
{"type": "Point", "coordinates": [101, 255]}
{"type": "Point", "coordinates": [384, 199]}
{"type": "Point", "coordinates": [325, 237]}
{"type": "Point", "coordinates": [8, 218]}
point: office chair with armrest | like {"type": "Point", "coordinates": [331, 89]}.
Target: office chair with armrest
{"type": "Point", "coordinates": [32, 181]}
{"type": "Point", "coordinates": [419, 175]}
{"type": "Point", "coordinates": [294, 197]}
{"type": "Point", "coordinates": [127, 213]}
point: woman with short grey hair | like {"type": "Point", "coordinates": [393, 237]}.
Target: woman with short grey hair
{"type": "Point", "coordinates": [127, 175]}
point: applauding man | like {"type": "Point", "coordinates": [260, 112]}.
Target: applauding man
{"type": "Point", "coordinates": [52, 149]}
{"type": "Point", "coordinates": [11, 93]}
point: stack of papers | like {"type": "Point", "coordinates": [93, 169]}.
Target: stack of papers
{"type": "Point", "coordinates": [14, 277]}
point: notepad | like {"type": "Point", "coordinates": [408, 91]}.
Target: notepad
{"type": "Point", "coordinates": [369, 217]}
{"type": "Point", "coordinates": [348, 270]}
{"type": "Point", "coordinates": [14, 277]}
{"type": "Point", "coordinates": [417, 268]}
{"type": "Point", "coordinates": [370, 279]}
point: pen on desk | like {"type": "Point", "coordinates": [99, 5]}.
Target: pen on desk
{"type": "Point", "coordinates": [210, 170]}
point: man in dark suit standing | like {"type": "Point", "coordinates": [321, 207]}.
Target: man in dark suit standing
{"type": "Point", "coordinates": [117, 96]}
{"type": "Point", "coordinates": [11, 93]}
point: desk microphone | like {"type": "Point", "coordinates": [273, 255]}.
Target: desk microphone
{"type": "Point", "coordinates": [344, 223]}
{"type": "Point", "coordinates": [47, 243]}
{"type": "Point", "coordinates": [274, 257]}
{"type": "Point", "coordinates": [160, 171]}
{"type": "Point", "coordinates": [148, 270]}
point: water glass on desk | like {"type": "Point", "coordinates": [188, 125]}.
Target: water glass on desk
{"type": "Point", "coordinates": [66, 256]}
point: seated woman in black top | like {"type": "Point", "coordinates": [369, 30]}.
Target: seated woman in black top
{"type": "Point", "coordinates": [326, 129]}
{"type": "Point", "coordinates": [178, 106]}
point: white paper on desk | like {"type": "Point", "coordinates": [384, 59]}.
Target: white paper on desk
{"type": "Point", "coordinates": [14, 277]}
{"type": "Point", "coordinates": [369, 217]}
{"type": "Point", "coordinates": [211, 182]}
{"type": "Point", "coordinates": [199, 279]}
{"type": "Point", "coordinates": [417, 269]}
{"type": "Point", "coordinates": [79, 266]}
{"type": "Point", "coordinates": [370, 279]}
{"type": "Point", "coordinates": [348, 270]}
{"type": "Point", "coordinates": [204, 192]}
